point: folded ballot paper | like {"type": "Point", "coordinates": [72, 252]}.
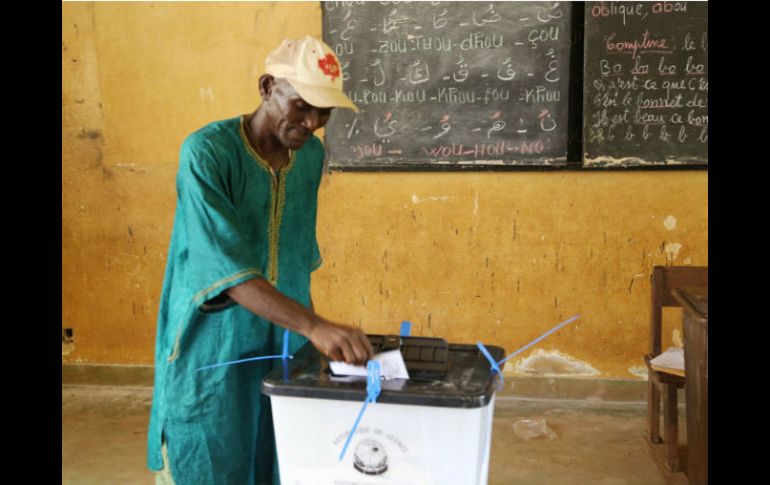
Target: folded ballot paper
{"type": "Point", "coordinates": [392, 366]}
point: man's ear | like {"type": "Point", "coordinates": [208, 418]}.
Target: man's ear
{"type": "Point", "coordinates": [266, 85]}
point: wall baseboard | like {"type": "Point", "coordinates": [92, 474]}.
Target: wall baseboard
{"type": "Point", "coordinates": [589, 389]}
{"type": "Point", "coordinates": [107, 374]}
{"type": "Point", "coordinates": [516, 386]}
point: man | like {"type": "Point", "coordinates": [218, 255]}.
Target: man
{"type": "Point", "coordinates": [238, 274]}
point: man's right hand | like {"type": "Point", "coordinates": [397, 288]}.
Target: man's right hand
{"type": "Point", "coordinates": [340, 342]}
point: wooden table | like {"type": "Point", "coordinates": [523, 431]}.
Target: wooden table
{"type": "Point", "coordinates": [695, 306]}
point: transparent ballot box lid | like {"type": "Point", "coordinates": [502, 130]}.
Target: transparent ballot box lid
{"type": "Point", "coordinates": [440, 374]}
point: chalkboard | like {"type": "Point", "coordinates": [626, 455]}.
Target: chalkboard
{"type": "Point", "coordinates": [450, 85]}
{"type": "Point", "coordinates": [645, 99]}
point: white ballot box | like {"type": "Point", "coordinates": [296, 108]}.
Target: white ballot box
{"type": "Point", "coordinates": [434, 428]}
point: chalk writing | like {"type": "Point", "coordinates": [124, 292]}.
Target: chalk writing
{"type": "Point", "coordinates": [451, 82]}
{"type": "Point", "coordinates": [506, 71]}
{"type": "Point", "coordinates": [646, 82]}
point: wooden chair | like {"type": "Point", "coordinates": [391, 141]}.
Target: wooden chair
{"type": "Point", "coordinates": [660, 384]}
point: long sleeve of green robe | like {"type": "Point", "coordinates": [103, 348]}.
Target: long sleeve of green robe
{"type": "Point", "coordinates": [235, 220]}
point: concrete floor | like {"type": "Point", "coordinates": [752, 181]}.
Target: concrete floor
{"type": "Point", "coordinates": [598, 443]}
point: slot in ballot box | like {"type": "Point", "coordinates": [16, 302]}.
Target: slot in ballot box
{"type": "Point", "coordinates": [434, 428]}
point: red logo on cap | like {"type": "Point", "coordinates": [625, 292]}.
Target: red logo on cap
{"type": "Point", "coordinates": [329, 66]}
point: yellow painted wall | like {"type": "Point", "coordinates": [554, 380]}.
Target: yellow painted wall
{"type": "Point", "coordinates": [497, 257]}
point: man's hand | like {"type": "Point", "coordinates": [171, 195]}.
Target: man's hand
{"type": "Point", "coordinates": [340, 342]}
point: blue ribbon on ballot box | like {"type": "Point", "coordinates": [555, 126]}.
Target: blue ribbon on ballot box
{"type": "Point", "coordinates": [406, 328]}
{"type": "Point", "coordinates": [373, 389]}
{"type": "Point", "coordinates": [284, 355]}
{"type": "Point", "coordinates": [496, 365]}
{"type": "Point", "coordinates": [373, 386]}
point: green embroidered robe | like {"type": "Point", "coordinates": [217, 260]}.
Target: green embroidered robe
{"type": "Point", "coordinates": [235, 220]}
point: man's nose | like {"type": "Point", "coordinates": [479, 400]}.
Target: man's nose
{"type": "Point", "coordinates": [311, 120]}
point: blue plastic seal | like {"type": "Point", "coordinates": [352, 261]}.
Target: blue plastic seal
{"type": "Point", "coordinates": [549, 332]}
{"type": "Point", "coordinates": [373, 389]}
{"type": "Point", "coordinates": [284, 355]}
{"type": "Point", "coordinates": [373, 384]}
{"type": "Point", "coordinates": [496, 365]}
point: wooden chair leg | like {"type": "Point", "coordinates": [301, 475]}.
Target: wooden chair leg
{"type": "Point", "coordinates": [653, 410]}
{"type": "Point", "coordinates": [671, 427]}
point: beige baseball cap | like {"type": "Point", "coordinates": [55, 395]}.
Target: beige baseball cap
{"type": "Point", "coordinates": [312, 69]}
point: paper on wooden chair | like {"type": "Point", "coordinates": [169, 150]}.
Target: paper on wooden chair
{"type": "Point", "coordinates": [392, 366]}
{"type": "Point", "coordinates": [672, 361]}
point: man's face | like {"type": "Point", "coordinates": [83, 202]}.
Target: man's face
{"type": "Point", "coordinates": [292, 120]}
